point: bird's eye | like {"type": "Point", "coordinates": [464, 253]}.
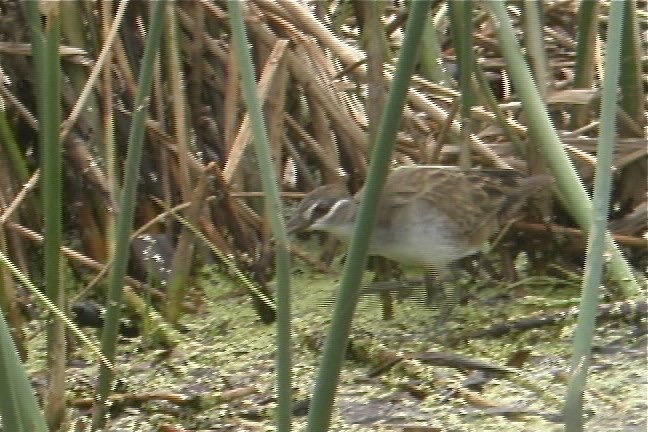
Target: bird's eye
{"type": "Point", "coordinates": [316, 211]}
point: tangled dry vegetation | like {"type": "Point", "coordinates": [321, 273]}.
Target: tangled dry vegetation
{"type": "Point", "coordinates": [314, 81]}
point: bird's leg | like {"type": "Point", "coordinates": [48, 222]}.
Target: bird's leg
{"type": "Point", "coordinates": [451, 294]}
{"type": "Point", "coordinates": [432, 287]}
{"type": "Point", "coordinates": [383, 270]}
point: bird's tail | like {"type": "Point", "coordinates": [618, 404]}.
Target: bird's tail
{"type": "Point", "coordinates": [527, 187]}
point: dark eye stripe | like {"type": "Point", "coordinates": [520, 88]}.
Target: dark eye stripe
{"type": "Point", "coordinates": [318, 209]}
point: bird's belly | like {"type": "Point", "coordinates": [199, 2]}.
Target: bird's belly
{"type": "Point", "coordinates": [424, 248]}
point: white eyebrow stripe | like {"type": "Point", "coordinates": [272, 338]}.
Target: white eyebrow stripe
{"type": "Point", "coordinates": [338, 204]}
{"type": "Point", "coordinates": [333, 210]}
{"type": "Point", "coordinates": [309, 211]}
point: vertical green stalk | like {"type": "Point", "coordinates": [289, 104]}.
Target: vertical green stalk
{"type": "Point", "coordinates": [632, 94]}
{"type": "Point", "coordinates": [542, 131]}
{"type": "Point", "coordinates": [184, 253]}
{"type": "Point", "coordinates": [73, 25]}
{"type": "Point", "coordinates": [431, 64]}
{"type": "Point", "coordinates": [461, 28]}
{"type": "Point", "coordinates": [47, 70]}
{"type": "Point", "coordinates": [533, 26]}
{"type": "Point", "coordinates": [596, 247]}
{"type": "Point", "coordinates": [534, 40]}
{"type": "Point", "coordinates": [107, 123]}
{"type": "Point", "coordinates": [127, 209]}
{"type": "Point", "coordinates": [587, 25]}
{"type": "Point", "coordinates": [274, 211]}
{"type": "Point", "coordinates": [321, 407]}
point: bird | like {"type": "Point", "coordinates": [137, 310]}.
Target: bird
{"type": "Point", "coordinates": [427, 216]}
